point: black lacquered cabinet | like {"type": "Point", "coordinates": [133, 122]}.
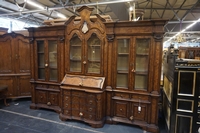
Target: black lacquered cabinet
{"type": "Point", "coordinates": [181, 94]}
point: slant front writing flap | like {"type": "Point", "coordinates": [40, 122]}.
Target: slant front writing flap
{"type": "Point", "coordinates": [86, 81]}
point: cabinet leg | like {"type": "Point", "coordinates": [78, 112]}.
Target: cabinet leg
{"type": "Point", "coordinates": [6, 104]}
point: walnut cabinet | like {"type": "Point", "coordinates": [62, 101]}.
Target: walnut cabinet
{"type": "Point", "coordinates": [97, 71]}
{"type": "Point", "coordinates": [133, 88]}
{"type": "Point", "coordinates": [46, 66]}
{"type": "Point", "coordinates": [15, 65]}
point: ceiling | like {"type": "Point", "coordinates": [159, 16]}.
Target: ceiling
{"type": "Point", "coordinates": [180, 13]}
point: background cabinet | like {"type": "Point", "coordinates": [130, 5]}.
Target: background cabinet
{"type": "Point", "coordinates": [181, 94]}
{"type": "Point", "coordinates": [47, 66]}
{"type": "Point", "coordinates": [15, 65]}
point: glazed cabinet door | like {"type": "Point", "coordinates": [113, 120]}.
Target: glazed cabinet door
{"type": "Point", "coordinates": [47, 60]}
{"type": "Point", "coordinates": [122, 63]}
{"type": "Point", "coordinates": [141, 64]}
{"type": "Point", "coordinates": [131, 64]}
{"type": "Point", "coordinates": [85, 54]}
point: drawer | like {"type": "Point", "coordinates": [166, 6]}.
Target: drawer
{"type": "Point", "coordinates": [89, 116]}
{"type": "Point", "coordinates": [121, 109]}
{"type": "Point", "coordinates": [66, 99]}
{"type": "Point", "coordinates": [90, 102]}
{"type": "Point", "coordinates": [91, 110]}
{"type": "Point", "coordinates": [67, 105]}
{"type": "Point", "coordinates": [122, 95]}
{"type": "Point", "coordinates": [139, 97]}
{"type": "Point", "coordinates": [91, 96]}
{"type": "Point", "coordinates": [78, 93]}
{"type": "Point", "coordinates": [65, 92]}
{"type": "Point", "coordinates": [75, 106]}
{"type": "Point", "coordinates": [78, 113]}
{"type": "Point", "coordinates": [41, 86]}
{"type": "Point", "coordinates": [54, 87]}
{"type": "Point", "coordinates": [66, 112]}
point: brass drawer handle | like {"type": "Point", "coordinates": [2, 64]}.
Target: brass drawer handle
{"type": "Point", "coordinates": [90, 102]}
{"type": "Point", "coordinates": [121, 109]}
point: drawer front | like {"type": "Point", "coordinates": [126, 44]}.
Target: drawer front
{"type": "Point", "coordinates": [89, 116]}
{"type": "Point", "coordinates": [139, 111]}
{"type": "Point", "coordinates": [91, 110]}
{"type": "Point", "coordinates": [54, 87]}
{"type": "Point", "coordinates": [78, 113]}
{"type": "Point", "coordinates": [90, 102]}
{"type": "Point", "coordinates": [78, 93]}
{"type": "Point", "coordinates": [67, 102]}
{"type": "Point", "coordinates": [140, 97]}
{"type": "Point", "coordinates": [66, 92]}
{"type": "Point", "coordinates": [122, 95]}
{"type": "Point", "coordinates": [67, 112]}
{"type": "Point", "coordinates": [42, 97]}
{"type": "Point", "coordinates": [121, 109]}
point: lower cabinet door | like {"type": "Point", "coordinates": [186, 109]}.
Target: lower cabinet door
{"type": "Point", "coordinates": [53, 98]}
{"type": "Point", "coordinates": [41, 96]}
{"type": "Point", "coordinates": [139, 111]}
{"type": "Point", "coordinates": [121, 109]}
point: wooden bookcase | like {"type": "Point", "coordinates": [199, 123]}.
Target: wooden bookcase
{"type": "Point", "coordinates": [47, 45]}
{"type": "Point", "coordinates": [125, 55]}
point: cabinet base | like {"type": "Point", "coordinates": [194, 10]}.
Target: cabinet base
{"type": "Point", "coordinates": [94, 124]}
{"type": "Point", "coordinates": [145, 126]}
{"type": "Point", "coordinates": [38, 106]}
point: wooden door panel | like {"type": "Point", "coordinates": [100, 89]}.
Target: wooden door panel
{"type": "Point", "coordinates": [41, 97]}
{"type": "Point", "coordinates": [23, 55]}
{"type": "Point", "coordinates": [54, 98]}
{"type": "Point", "coordinates": [24, 86]}
{"type": "Point", "coordinates": [9, 81]}
{"type": "Point", "coordinates": [139, 114]}
{"type": "Point", "coordinates": [7, 55]}
{"type": "Point", "coordinates": [121, 109]}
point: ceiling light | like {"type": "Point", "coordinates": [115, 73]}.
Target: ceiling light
{"type": "Point", "coordinates": [131, 8]}
{"type": "Point", "coordinates": [33, 3]}
{"type": "Point", "coordinates": [60, 15]}
{"type": "Point", "coordinates": [183, 30]}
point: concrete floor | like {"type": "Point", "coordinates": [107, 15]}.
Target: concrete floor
{"type": "Point", "coordinates": [19, 118]}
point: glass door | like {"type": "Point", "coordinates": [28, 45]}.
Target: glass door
{"type": "Point", "coordinates": [41, 59]}
{"type": "Point", "coordinates": [123, 50]}
{"type": "Point", "coordinates": [52, 53]}
{"type": "Point", "coordinates": [75, 54]}
{"type": "Point", "coordinates": [47, 60]}
{"type": "Point", "coordinates": [141, 63]}
{"type": "Point", "coordinates": [93, 55]}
